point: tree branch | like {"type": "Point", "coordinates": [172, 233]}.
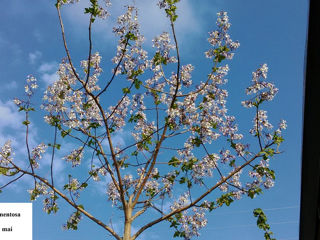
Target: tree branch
{"type": "Point", "coordinates": [198, 199]}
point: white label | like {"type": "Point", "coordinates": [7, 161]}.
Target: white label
{"type": "Point", "coordinates": [16, 221]}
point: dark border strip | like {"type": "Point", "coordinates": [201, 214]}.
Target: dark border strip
{"type": "Point", "coordinates": [310, 182]}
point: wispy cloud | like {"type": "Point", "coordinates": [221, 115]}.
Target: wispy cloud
{"type": "Point", "coordinates": [165, 207]}
{"type": "Point", "coordinates": [152, 19]}
{"type": "Point", "coordinates": [58, 167]}
{"type": "Point", "coordinates": [48, 67]}
{"type": "Point", "coordinates": [9, 117]}
{"type": "Point", "coordinates": [34, 56]}
{"type": "Point", "coordinates": [118, 139]}
{"type": "Point", "coordinates": [48, 71]}
{"type": "Point", "coordinates": [38, 36]}
{"type": "Point", "coordinates": [100, 187]}
{"type": "Point", "coordinates": [49, 78]}
{"type": "Point", "coordinates": [9, 86]}
{"type": "Point", "coordinates": [11, 128]}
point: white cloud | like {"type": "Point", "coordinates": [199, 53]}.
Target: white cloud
{"type": "Point", "coordinates": [11, 85]}
{"type": "Point", "coordinates": [165, 207]}
{"type": "Point", "coordinates": [152, 19]}
{"type": "Point", "coordinates": [11, 128]}
{"type": "Point", "coordinates": [118, 139]}
{"type": "Point", "coordinates": [49, 78]}
{"type": "Point", "coordinates": [100, 187]}
{"type": "Point", "coordinates": [59, 166]}
{"type": "Point", "coordinates": [9, 116]}
{"type": "Point", "coordinates": [48, 72]}
{"type": "Point", "coordinates": [48, 67]}
{"type": "Point", "coordinates": [34, 56]}
{"type": "Point", "coordinates": [75, 12]}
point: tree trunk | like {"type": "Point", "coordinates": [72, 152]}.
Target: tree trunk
{"type": "Point", "coordinates": [127, 225]}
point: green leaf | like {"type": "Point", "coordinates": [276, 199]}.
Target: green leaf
{"type": "Point", "coordinates": [214, 125]}
{"type": "Point", "coordinates": [225, 199]}
{"type": "Point", "coordinates": [80, 206]}
{"type": "Point", "coordinates": [174, 18]}
{"type": "Point", "coordinates": [61, 95]}
{"type": "Point", "coordinates": [189, 183]}
{"type": "Point", "coordinates": [34, 194]}
{"type": "Point", "coordinates": [182, 180]}
{"type": "Point", "coordinates": [125, 90]}
{"type": "Point", "coordinates": [262, 223]}
{"type": "Point", "coordinates": [189, 164]}
{"type": "Point", "coordinates": [174, 162]}
{"type": "Point", "coordinates": [3, 171]}
{"type": "Point", "coordinates": [212, 95]}
{"type": "Point", "coordinates": [156, 176]}
{"type": "Point", "coordinates": [277, 139]}
{"type": "Point", "coordinates": [171, 178]}
{"type": "Point", "coordinates": [86, 106]}
{"type": "Point", "coordinates": [232, 144]}
{"type": "Point", "coordinates": [159, 59]}
{"type": "Point", "coordinates": [30, 109]}
{"type": "Point", "coordinates": [131, 36]}
{"type": "Point", "coordinates": [174, 224]}
{"type": "Point", "coordinates": [137, 83]}
{"type": "Point", "coordinates": [211, 207]}
{"type": "Point", "coordinates": [93, 125]}
{"type": "Point", "coordinates": [254, 191]}
{"type": "Point", "coordinates": [65, 133]}
{"type": "Point", "coordinates": [135, 118]}
{"type": "Point", "coordinates": [135, 153]}
{"type": "Point", "coordinates": [196, 141]}
{"type": "Point", "coordinates": [232, 163]}
{"type": "Point", "coordinates": [26, 122]}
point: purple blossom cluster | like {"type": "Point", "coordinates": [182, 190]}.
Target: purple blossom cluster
{"type": "Point", "coordinates": [37, 153]}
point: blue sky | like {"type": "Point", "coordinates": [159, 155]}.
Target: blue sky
{"type": "Point", "coordinates": [272, 32]}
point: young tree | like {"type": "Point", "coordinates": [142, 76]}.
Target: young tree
{"type": "Point", "coordinates": [175, 125]}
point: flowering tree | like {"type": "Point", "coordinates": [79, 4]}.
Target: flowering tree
{"type": "Point", "coordinates": [173, 122]}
